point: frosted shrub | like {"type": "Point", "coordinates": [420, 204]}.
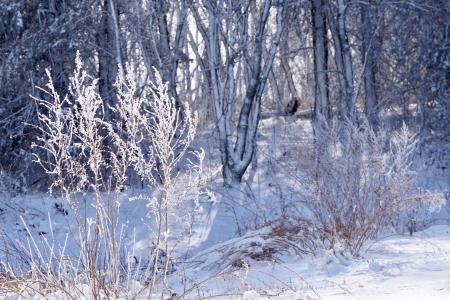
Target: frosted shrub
{"type": "Point", "coordinates": [90, 149]}
{"type": "Point", "coordinates": [356, 181]}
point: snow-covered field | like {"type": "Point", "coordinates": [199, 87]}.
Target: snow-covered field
{"type": "Point", "coordinates": [394, 266]}
{"type": "Point", "coordinates": [397, 267]}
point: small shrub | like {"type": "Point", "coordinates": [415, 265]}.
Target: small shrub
{"type": "Point", "coordinates": [90, 149]}
{"type": "Point", "coordinates": [354, 182]}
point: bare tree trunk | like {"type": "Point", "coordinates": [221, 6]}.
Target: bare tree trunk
{"type": "Point", "coordinates": [368, 43]}
{"type": "Point", "coordinates": [114, 25]}
{"type": "Point", "coordinates": [348, 103]}
{"type": "Point", "coordinates": [160, 48]}
{"type": "Point", "coordinates": [337, 56]}
{"type": "Point", "coordinates": [343, 59]}
{"type": "Point", "coordinates": [109, 52]}
{"type": "Point", "coordinates": [319, 33]}
{"type": "Point", "coordinates": [237, 146]}
{"type": "Point", "coordinates": [167, 55]}
{"type": "Point", "coordinates": [294, 102]}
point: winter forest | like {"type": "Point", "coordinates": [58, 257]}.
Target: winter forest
{"type": "Point", "coordinates": [225, 149]}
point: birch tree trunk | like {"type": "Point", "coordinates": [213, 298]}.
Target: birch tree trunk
{"type": "Point", "coordinates": [320, 45]}
{"type": "Point", "coordinates": [343, 58]}
{"type": "Point", "coordinates": [232, 55]}
{"type": "Point", "coordinates": [348, 103]}
{"type": "Point", "coordinates": [369, 38]}
{"type": "Point", "coordinates": [294, 102]}
{"type": "Point", "coordinates": [109, 52]}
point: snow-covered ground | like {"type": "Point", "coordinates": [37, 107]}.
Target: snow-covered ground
{"type": "Point", "coordinates": [398, 267]}
{"type": "Point", "coordinates": [392, 267]}
{"type": "Point", "coordinates": [395, 267]}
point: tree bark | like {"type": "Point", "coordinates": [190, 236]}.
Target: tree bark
{"type": "Point", "coordinates": [320, 45]}
{"type": "Point", "coordinates": [237, 145]}
{"type": "Point", "coordinates": [348, 103]}
{"type": "Point", "coordinates": [294, 103]}
{"type": "Point", "coordinates": [369, 39]}
{"type": "Point", "coordinates": [109, 53]}
{"type": "Point", "coordinates": [343, 59]}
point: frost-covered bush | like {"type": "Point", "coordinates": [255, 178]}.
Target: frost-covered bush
{"type": "Point", "coordinates": [355, 182]}
{"type": "Point", "coordinates": [90, 148]}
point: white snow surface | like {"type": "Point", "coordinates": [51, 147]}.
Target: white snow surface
{"type": "Point", "coordinates": [396, 267]}
{"type": "Point", "coordinates": [392, 267]}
